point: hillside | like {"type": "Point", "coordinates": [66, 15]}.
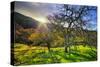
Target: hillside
{"type": "Point", "coordinates": [24, 21]}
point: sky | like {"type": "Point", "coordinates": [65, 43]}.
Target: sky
{"type": "Point", "coordinates": [35, 10]}
{"type": "Point", "coordinates": [40, 11]}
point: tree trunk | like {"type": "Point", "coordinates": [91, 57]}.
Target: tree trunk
{"type": "Point", "coordinates": [48, 45]}
{"type": "Point", "coordinates": [66, 49]}
{"type": "Point", "coordinates": [66, 46]}
{"type": "Point", "coordinates": [67, 41]}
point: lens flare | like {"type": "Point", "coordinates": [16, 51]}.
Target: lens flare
{"type": "Point", "coordinates": [41, 20]}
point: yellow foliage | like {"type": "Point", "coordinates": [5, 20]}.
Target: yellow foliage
{"type": "Point", "coordinates": [34, 36]}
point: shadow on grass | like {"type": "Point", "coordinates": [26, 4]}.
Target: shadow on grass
{"type": "Point", "coordinates": [32, 57]}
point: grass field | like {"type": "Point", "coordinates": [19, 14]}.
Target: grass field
{"type": "Point", "coordinates": [24, 54]}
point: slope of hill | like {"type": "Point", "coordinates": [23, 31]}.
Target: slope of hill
{"type": "Point", "coordinates": [24, 21]}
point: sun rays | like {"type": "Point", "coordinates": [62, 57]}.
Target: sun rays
{"type": "Point", "coordinates": [42, 20]}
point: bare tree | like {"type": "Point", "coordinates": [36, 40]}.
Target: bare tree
{"type": "Point", "coordinates": [70, 20]}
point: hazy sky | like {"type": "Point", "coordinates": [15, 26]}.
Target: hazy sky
{"type": "Point", "coordinates": [40, 11]}
{"type": "Point", "coordinates": [35, 10]}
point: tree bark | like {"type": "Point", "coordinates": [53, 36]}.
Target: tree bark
{"type": "Point", "coordinates": [48, 46]}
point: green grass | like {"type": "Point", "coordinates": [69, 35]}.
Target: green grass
{"type": "Point", "coordinates": [24, 54]}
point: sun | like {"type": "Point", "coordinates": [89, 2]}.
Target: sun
{"type": "Point", "coordinates": [41, 20]}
